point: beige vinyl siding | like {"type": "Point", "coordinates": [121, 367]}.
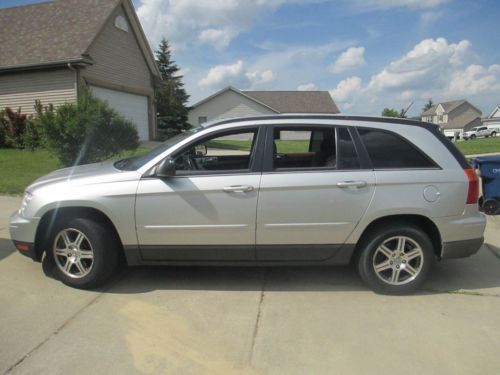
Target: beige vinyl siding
{"type": "Point", "coordinates": [229, 104]}
{"type": "Point", "coordinates": [20, 90]}
{"type": "Point", "coordinates": [118, 58]}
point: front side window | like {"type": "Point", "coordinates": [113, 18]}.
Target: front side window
{"type": "Point", "coordinates": [388, 150]}
{"type": "Point", "coordinates": [220, 152]}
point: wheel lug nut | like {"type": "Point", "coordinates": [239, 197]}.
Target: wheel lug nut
{"type": "Point", "coordinates": [404, 261]}
{"type": "Point", "coordinates": [391, 263]}
{"type": "Point", "coordinates": [397, 267]}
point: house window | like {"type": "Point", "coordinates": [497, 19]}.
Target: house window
{"type": "Point", "coordinates": [121, 23]}
{"type": "Point", "coordinates": [202, 120]}
{"type": "Point", "coordinates": [440, 118]}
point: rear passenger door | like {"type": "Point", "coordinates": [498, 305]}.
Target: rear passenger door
{"type": "Point", "coordinates": [313, 192]}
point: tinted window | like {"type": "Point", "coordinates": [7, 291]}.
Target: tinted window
{"type": "Point", "coordinates": [347, 155]}
{"type": "Point", "coordinates": [388, 150]}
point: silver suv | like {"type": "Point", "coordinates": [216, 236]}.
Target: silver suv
{"type": "Point", "coordinates": [389, 195]}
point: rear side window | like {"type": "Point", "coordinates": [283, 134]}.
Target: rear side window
{"type": "Point", "coordinates": [387, 150]}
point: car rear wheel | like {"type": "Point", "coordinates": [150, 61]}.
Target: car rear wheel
{"type": "Point", "coordinates": [396, 259]}
{"type": "Point", "coordinates": [83, 252]}
{"type": "Point", "coordinates": [472, 136]}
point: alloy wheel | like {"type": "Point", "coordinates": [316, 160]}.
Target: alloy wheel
{"type": "Point", "coordinates": [73, 253]}
{"type": "Point", "coordinates": [398, 260]}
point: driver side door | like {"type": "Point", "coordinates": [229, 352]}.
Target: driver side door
{"type": "Point", "coordinates": [207, 211]}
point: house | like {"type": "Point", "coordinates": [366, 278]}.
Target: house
{"type": "Point", "coordinates": [493, 120]}
{"type": "Point", "coordinates": [455, 117]}
{"type": "Point", "coordinates": [231, 102]}
{"type": "Point", "coordinates": [50, 51]}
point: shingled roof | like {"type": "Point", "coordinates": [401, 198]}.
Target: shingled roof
{"type": "Point", "coordinates": [447, 106]}
{"type": "Point", "coordinates": [55, 32]}
{"type": "Point", "coordinates": [296, 101]}
{"type": "Point", "coordinates": [285, 101]}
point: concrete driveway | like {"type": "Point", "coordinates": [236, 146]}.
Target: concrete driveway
{"type": "Point", "coordinates": [249, 321]}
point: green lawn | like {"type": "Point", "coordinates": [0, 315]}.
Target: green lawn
{"type": "Point", "coordinates": [19, 168]}
{"type": "Point", "coordinates": [479, 146]}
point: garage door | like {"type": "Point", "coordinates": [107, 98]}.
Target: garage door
{"type": "Point", "coordinates": [132, 107]}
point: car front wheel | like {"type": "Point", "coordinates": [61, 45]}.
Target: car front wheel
{"type": "Point", "coordinates": [83, 252]}
{"type": "Point", "coordinates": [396, 259]}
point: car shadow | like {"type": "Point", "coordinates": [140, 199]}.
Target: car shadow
{"type": "Point", "coordinates": [6, 248]}
{"type": "Point", "coordinates": [480, 272]}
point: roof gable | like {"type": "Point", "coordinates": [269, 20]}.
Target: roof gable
{"type": "Point", "coordinates": [58, 31]}
{"type": "Point", "coordinates": [495, 113]}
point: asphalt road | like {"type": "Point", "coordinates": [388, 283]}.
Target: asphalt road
{"type": "Point", "coordinates": [249, 321]}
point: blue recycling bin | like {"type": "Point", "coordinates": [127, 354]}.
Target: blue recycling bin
{"type": "Point", "coordinates": [489, 170]}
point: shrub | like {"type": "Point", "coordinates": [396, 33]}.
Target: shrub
{"type": "Point", "coordinates": [87, 131]}
{"type": "Point", "coordinates": [13, 125]}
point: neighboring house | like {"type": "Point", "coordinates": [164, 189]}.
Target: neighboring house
{"type": "Point", "coordinates": [50, 51]}
{"type": "Point", "coordinates": [493, 120]}
{"type": "Point", "coordinates": [454, 117]}
{"type": "Point", "coordinates": [231, 102]}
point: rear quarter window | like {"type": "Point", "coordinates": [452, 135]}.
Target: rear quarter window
{"type": "Point", "coordinates": [388, 150]}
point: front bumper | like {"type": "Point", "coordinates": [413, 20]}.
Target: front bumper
{"type": "Point", "coordinates": [23, 232]}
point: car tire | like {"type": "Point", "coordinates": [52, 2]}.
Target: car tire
{"type": "Point", "coordinates": [395, 259]}
{"type": "Point", "coordinates": [472, 136]}
{"type": "Point", "coordinates": [82, 252]}
{"type": "Point", "coordinates": [493, 134]}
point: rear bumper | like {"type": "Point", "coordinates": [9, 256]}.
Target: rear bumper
{"type": "Point", "coordinates": [461, 249]}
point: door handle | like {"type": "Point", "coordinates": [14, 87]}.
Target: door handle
{"type": "Point", "coordinates": [348, 184]}
{"type": "Point", "coordinates": [238, 189]}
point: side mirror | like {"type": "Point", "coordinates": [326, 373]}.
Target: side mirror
{"type": "Point", "coordinates": [166, 168]}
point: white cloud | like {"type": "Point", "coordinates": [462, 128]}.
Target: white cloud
{"type": "Point", "coordinates": [347, 91]}
{"type": "Point", "coordinates": [216, 22]}
{"type": "Point", "coordinates": [306, 87]}
{"type": "Point", "coordinates": [434, 68]}
{"type": "Point", "coordinates": [475, 79]}
{"type": "Point", "coordinates": [350, 59]}
{"type": "Point", "coordinates": [235, 75]}
{"type": "Point", "coordinates": [223, 74]}
{"type": "Point", "coordinates": [220, 39]}
{"type": "Point", "coordinates": [429, 17]}
{"type": "Point", "coordinates": [414, 4]}
{"type": "Point", "coordinates": [261, 77]}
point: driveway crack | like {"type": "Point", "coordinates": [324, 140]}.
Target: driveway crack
{"type": "Point", "coordinates": [62, 326]}
{"type": "Point", "coordinates": [258, 319]}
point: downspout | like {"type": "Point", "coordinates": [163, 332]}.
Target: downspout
{"type": "Point", "coordinates": [77, 74]}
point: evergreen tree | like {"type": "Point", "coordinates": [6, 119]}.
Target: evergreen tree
{"type": "Point", "coordinates": [171, 97]}
{"type": "Point", "coordinates": [428, 105]}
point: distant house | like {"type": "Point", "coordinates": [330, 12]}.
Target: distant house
{"type": "Point", "coordinates": [231, 102]}
{"type": "Point", "coordinates": [457, 116]}
{"type": "Point", "coordinates": [493, 120]}
{"type": "Point", "coordinates": [50, 51]}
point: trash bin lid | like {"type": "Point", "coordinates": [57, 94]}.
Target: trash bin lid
{"type": "Point", "coordinates": [487, 159]}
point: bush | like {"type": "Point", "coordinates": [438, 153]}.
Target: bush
{"type": "Point", "coordinates": [18, 130]}
{"type": "Point", "coordinates": [13, 125]}
{"type": "Point", "coordinates": [88, 131]}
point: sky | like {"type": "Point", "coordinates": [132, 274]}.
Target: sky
{"type": "Point", "coordinates": [369, 54]}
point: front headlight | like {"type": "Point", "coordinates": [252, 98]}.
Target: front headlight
{"type": "Point", "coordinates": [25, 202]}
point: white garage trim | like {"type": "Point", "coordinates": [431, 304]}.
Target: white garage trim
{"type": "Point", "coordinates": [131, 106]}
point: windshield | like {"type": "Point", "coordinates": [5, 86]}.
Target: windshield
{"type": "Point", "coordinates": [473, 129]}
{"type": "Point", "coordinates": [136, 162]}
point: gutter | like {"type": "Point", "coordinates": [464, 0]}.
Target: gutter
{"type": "Point", "coordinates": [47, 65]}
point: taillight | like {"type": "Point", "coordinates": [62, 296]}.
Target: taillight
{"type": "Point", "coordinates": [473, 192]}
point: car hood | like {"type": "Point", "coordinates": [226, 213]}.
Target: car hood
{"type": "Point", "coordinates": [83, 174]}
